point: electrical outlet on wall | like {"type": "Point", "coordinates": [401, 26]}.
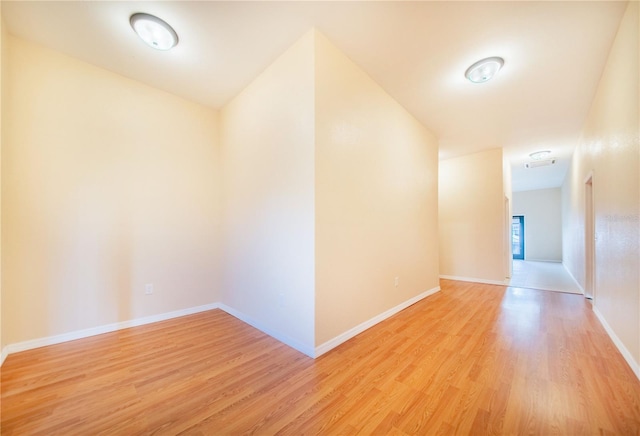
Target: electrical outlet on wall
{"type": "Point", "coordinates": [397, 281]}
{"type": "Point", "coordinates": [148, 289]}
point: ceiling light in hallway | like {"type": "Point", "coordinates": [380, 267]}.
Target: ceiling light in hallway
{"type": "Point", "coordinates": [539, 155]}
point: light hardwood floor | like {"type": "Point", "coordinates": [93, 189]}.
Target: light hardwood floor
{"type": "Point", "coordinates": [473, 358]}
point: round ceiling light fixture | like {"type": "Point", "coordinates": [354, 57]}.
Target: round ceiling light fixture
{"type": "Point", "coordinates": [483, 70]}
{"type": "Point", "coordinates": [153, 31]}
{"type": "Point", "coordinates": [539, 155]}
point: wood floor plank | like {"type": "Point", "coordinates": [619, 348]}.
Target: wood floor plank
{"type": "Point", "coordinates": [471, 359]}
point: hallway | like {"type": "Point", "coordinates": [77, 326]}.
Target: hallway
{"type": "Point", "coordinates": [547, 276]}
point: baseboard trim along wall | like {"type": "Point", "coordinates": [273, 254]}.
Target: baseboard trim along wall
{"type": "Point", "coordinates": [474, 280]}
{"type": "Point", "coordinates": [108, 328]}
{"type": "Point", "coordinates": [544, 260]}
{"type": "Point", "coordinates": [333, 343]}
{"type": "Point", "coordinates": [618, 343]}
{"type": "Point", "coordinates": [3, 355]}
{"type": "Point", "coordinates": [293, 343]}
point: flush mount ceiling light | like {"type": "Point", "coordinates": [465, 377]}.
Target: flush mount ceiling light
{"type": "Point", "coordinates": [483, 70]}
{"type": "Point", "coordinates": [539, 163]}
{"type": "Point", "coordinates": [539, 155]}
{"type": "Point", "coordinates": [153, 31]}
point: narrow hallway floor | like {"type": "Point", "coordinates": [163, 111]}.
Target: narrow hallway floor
{"type": "Point", "coordinates": [548, 276]}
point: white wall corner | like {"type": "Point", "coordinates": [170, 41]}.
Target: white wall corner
{"type": "Point", "coordinates": [108, 328]}
{"type": "Point", "coordinates": [474, 280]}
{"type": "Point", "coordinates": [285, 339]}
{"type": "Point", "coordinates": [618, 343]}
{"type": "Point", "coordinates": [573, 278]}
{"type": "Point", "coordinates": [333, 343]}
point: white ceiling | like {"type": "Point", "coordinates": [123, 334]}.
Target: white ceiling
{"type": "Point", "coordinates": [554, 54]}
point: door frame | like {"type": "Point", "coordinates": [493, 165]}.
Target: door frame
{"type": "Point", "coordinates": [522, 245]}
{"type": "Point", "coordinates": [589, 239]}
{"type": "Point", "coordinates": [508, 254]}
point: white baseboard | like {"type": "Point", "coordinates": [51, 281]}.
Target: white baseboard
{"type": "Point", "coordinates": [79, 334]}
{"type": "Point", "coordinates": [543, 260]}
{"type": "Point", "coordinates": [303, 348]}
{"type": "Point", "coordinates": [3, 355]}
{"type": "Point", "coordinates": [474, 280]}
{"type": "Point", "coordinates": [332, 343]}
{"type": "Point", "coordinates": [618, 343]}
{"type": "Point", "coordinates": [573, 278]}
{"type": "Point", "coordinates": [293, 343]}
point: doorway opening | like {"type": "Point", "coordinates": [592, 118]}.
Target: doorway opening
{"type": "Point", "coordinates": [508, 255]}
{"type": "Point", "coordinates": [589, 239]}
{"type": "Point", "coordinates": [517, 236]}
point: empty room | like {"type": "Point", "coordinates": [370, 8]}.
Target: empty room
{"type": "Point", "coordinates": [319, 217]}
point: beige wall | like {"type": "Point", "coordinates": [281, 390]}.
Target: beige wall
{"type": "Point", "coordinates": [3, 65]}
{"type": "Point", "coordinates": [268, 158]}
{"type": "Point", "coordinates": [472, 217]}
{"type": "Point", "coordinates": [330, 192]}
{"type": "Point", "coordinates": [609, 148]}
{"type": "Point", "coordinates": [107, 185]}
{"type": "Point", "coordinates": [542, 209]}
{"type": "Point", "coordinates": [376, 198]}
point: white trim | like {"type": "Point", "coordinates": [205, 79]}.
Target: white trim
{"type": "Point", "coordinates": [618, 343]}
{"type": "Point", "coordinates": [3, 355]}
{"type": "Point", "coordinates": [474, 280]}
{"type": "Point", "coordinates": [573, 278]}
{"type": "Point", "coordinates": [79, 334]}
{"type": "Point", "coordinates": [545, 288]}
{"type": "Point", "coordinates": [540, 260]}
{"type": "Point", "coordinates": [287, 340]}
{"type": "Point", "coordinates": [343, 337]}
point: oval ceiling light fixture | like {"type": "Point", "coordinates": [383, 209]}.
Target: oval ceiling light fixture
{"type": "Point", "coordinates": [153, 31]}
{"type": "Point", "coordinates": [539, 155]}
{"type": "Point", "coordinates": [483, 70]}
